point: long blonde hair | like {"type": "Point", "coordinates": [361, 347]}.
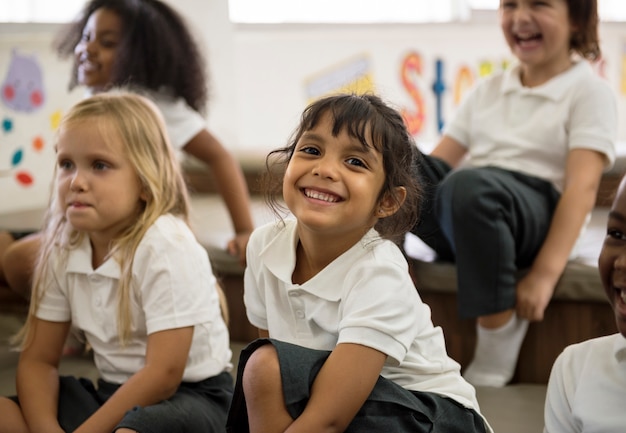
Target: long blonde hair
{"type": "Point", "coordinates": [137, 123]}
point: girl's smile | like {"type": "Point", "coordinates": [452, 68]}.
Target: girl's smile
{"type": "Point", "coordinates": [96, 52]}
{"type": "Point", "coordinates": [319, 195]}
{"type": "Point", "coordinates": [538, 34]}
{"type": "Point", "coordinates": [612, 260]}
{"type": "Point", "coordinates": [332, 183]}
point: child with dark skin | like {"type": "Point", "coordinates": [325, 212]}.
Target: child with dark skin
{"type": "Point", "coordinates": [587, 385]}
{"type": "Point", "coordinates": [145, 47]}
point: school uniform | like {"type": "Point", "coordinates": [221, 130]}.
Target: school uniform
{"type": "Point", "coordinates": [492, 214]}
{"type": "Point", "coordinates": [174, 287]}
{"type": "Point", "coordinates": [587, 387]}
{"type": "Point", "coordinates": [365, 296]}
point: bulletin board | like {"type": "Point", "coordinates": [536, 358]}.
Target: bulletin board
{"type": "Point", "coordinates": [33, 97]}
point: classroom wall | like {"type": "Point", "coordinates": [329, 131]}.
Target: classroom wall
{"type": "Point", "coordinates": [262, 76]}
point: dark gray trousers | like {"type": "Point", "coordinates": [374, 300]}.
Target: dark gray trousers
{"type": "Point", "coordinates": [489, 221]}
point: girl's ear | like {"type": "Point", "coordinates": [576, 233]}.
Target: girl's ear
{"type": "Point", "coordinates": [391, 202]}
{"type": "Point", "coordinates": [143, 195]}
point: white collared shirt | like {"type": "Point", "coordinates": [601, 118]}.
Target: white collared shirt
{"type": "Point", "coordinates": [181, 121]}
{"type": "Point", "coordinates": [531, 130]}
{"type": "Point", "coordinates": [587, 388]}
{"type": "Point", "coordinates": [365, 296]}
{"type": "Point", "coordinates": [174, 287]}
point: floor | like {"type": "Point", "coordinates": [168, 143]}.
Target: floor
{"type": "Point", "coordinates": [513, 409]}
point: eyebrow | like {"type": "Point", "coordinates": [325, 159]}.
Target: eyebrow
{"type": "Point", "coordinates": [617, 215]}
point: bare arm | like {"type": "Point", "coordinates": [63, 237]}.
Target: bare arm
{"type": "Point", "coordinates": [450, 150]}
{"type": "Point", "coordinates": [38, 376]}
{"type": "Point", "coordinates": [340, 389]}
{"type": "Point", "coordinates": [166, 357]}
{"type": "Point", "coordinates": [231, 185]}
{"type": "Point", "coordinates": [582, 179]}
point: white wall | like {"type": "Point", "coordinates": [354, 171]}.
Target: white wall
{"type": "Point", "coordinates": [259, 72]}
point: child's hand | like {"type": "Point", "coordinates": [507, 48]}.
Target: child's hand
{"type": "Point", "coordinates": [533, 296]}
{"type": "Point", "coordinates": [237, 247]}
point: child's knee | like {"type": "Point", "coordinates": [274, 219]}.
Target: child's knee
{"type": "Point", "coordinates": [262, 370]}
{"type": "Point", "coordinates": [12, 419]}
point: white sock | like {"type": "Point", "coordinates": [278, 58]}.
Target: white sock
{"type": "Point", "coordinates": [496, 353]}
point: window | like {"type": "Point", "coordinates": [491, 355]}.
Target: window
{"type": "Point", "coordinates": [345, 11]}
{"type": "Point", "coordinates": [609, 10]}
{"type": "Point", "coordinates": [42, 11]}
{"type": "Point", "coordinates": [304, 11]}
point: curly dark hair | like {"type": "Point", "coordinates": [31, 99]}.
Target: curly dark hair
{"type": "Point", "coordinates": [368, 119]}
{"type": "Point", "coordinates": [583, 15]}
{"type": "Point", "coordinates": [157, 49]}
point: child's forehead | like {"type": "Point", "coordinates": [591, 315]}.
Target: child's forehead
{"type": "Point", "coordinates": [620, 195]}
{"type": "Point", "coordinates": [95, 131]}
{"type": "Point", "coordinates": [358, 129]}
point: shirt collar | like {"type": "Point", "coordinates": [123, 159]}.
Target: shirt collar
{"type": "Point", "coordinates": [554, 89]}
{"type": "Point", "coordinates": [619, 348]}
{"type": "Point", "coordinates": [280, 258]}
{"type": "Point", "coordinates": [79, 261]}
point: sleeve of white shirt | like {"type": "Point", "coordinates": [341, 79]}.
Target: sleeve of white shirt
{"type": "Point", "coordinates": [593, 122]}
{"type": "Point", "coordinates": [253, 300]}
{"type": "Point", "coordinates": [459, 127]}
{"type": "Point", "coordinates": [182, 122]}
{"type": "Point", "coordinates": [559, 395]}
{"type": "Point", "coordinates": [382, 310]}
{"type": "Point", "coordinates": [54, 305]}
{"type": "Point", "coordinates": [176, 283]}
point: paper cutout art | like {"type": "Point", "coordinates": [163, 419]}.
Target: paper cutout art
{"type": "Point", "coordinates": [22, 175]}
{"type": "Point", "coordinates": [439, 88]}
{"type": "Point", "coordinates": [354, 76]}
{"type": "Point", "coordinates": [410, 71]}
{"type": "Point", "coordinates": [22, 89]}
{"type": "Point", "coordinates": [463, 82]}
{"type": "Point", "coordinates": [623, 71]}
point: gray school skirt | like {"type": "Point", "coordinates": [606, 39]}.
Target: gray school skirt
{"type": "Point", "coordinates": [195, 407]}
{"type": "Point", "coordinates": [389, 408]}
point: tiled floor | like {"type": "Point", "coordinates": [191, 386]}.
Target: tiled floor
{"type": "Point", "coordinates": [513, 409]}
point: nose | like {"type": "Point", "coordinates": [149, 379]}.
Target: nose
{"type": "Point", "coordinates": [521, 13]}
{"type": "Point", "coordinates": [84, 46]}
{"type": "Point", "coordinates": [326, 168]}
{"type": "Point", "coordinates": [620, 261]}
{"type": "Point", "coordinates": [78, 182]}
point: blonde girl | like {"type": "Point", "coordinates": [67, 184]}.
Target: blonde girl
{"type": "Point", "coordinates": [120, 263]}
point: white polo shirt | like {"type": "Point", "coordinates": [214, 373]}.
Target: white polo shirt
{"type": "Point", "coordinates": [531, 130]}
{"type": "Point", "coordinates": [174, 287]}
{"type": "Point", "coordinates": [587, 387]}
{"type": "Point", "coordinates": [365, 296]}
{"type": "Point", "coordinates": [182, 122]}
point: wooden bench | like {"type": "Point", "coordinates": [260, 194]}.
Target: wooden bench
{"type": "Point", "coordinates": [578, 311]}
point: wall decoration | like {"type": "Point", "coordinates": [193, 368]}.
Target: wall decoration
{"type": "Point", "coordinates": [33, 96]}
{"type": "Point", "coordinates": [623, 71]}
{"type": "Point", "coordinates": [462, 83]}
{"type": "Point", "coordinates": [353, 76]}
{"type": "Point", "coordinates": [439, 88]}
{"type": "Point", "coordinates": [22, 88]}
{"type": "Point", "coordinates": [410, 73]}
